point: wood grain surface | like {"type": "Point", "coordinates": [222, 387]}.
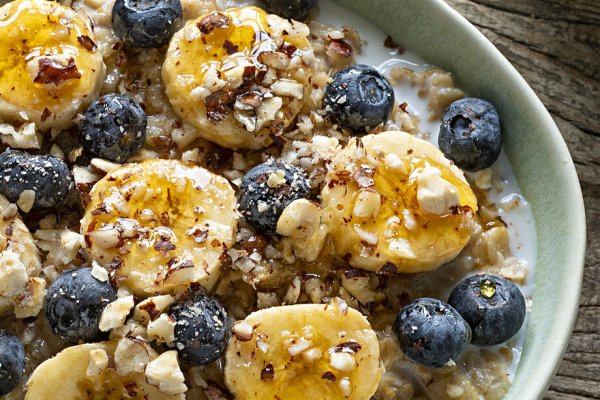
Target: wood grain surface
{"type": "Point", "coordinates": [555, 45]}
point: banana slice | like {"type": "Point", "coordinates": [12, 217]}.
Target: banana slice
{"type": "Point", "coordinates": [305, 351]}
{"type": "Point", "coordinates": [239, 75]}
{"type": "Point", "coordinates": [49, 70]}
{"type": "Point", "coordinates": [160, 225]}
{"type": "Point", "coordinates": [84, 372]}
{"type": "Point", "coordinates": [393, 198]}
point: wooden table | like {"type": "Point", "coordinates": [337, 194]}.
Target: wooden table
{"type": "Point", "coordinates": [555, 45]}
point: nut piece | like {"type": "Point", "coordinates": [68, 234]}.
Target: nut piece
{"type": "Point", "coordinates": [288, 87]}
{"type": "Point", "coordinates": [266, 300]}
{"type": "Point", "coordinates": [131, 356]}
{"type": "Point", "coordinates": [13, 275]}
{"type": "Point", "coordinates": [164, 373]}
{"type": "Point", "coordinates": [99, 272]}
{"type": "Point", "coordinates": [115, 313]}
{"type": "Point", "coordinates": [299, 346]}
{"type": "Point", "coordinates": [243, 331]}
{"type": "Point", "coordinates": [53, 71]}
{"type": "Point", "coordinates": [392, 161]}
{"type": "Point", "coordinates": [106, 238]}
{"type": "Point", "coordinates": [26, 137]}
{"type": "Point", "coordinates": [435, 194]}
{"type": "Point", "coordinates": [31, 300]}
{"type": "Point", "coordinates": [342, 361]}
{"type": "Point", "coordinates": [301, 218]}
{"type": "Point", "coordinates": [98, 362]}
{"type": "Point", "coordinates": [346, 387]}
{"type": "Point", "coordinates": [312, 355]}
{"type": "Point", "coordinates": [131, 329]}
{"type": "Point", "coordinates": [367, 204]}
{"type": "Point", "coordinates": [26, 200]}
{"type": "Point", "coordinates": [483, 179]}
{"type": "Point", "coordinates": [357, 284]}
{"type": "Point", "coordinates": [62, 246]}
{"type": "Point", "coordinates": [402, 248]}
{"type": "Point", "coordinates": [152, 307]}
{"type": "Point", "coordinates": [276, 178]}
{"type": "Point", "coordinates": [410, 222]}
{"type": "Point", "coordinates": [274, 59]}
{"type": "Point", "coordinates": [102, 166]}
{"type": "Point", "coordinates": [293, 292]}
{"type": "Point", "coordinates": [162, 329]}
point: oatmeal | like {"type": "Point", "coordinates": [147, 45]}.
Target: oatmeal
{"type": "Point", "coordinates": [287, 227]}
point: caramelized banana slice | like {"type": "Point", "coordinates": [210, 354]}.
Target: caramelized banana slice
{"type": "Point", "coordinates": [393, 198]}
{"type": "Point", "coordinates": [84, 372]}
{"type": "Point", "coordinates": [306, 351]}
{"type": "Point", "coordinates": [239, 75]}
{"type": "Point", "coordinates": [160, 225]}
{"type": "Point", "coordinates": [50, 66]}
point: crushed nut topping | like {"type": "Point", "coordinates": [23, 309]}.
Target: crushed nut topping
{"type": "Point", "coordinates": [230, 47]}
{"type": "Point", "coordinates": [53, 72]}
{"type": "Point", "coordinates": [267, 373]}
{"type": "Point", "coordinates": [347, 347]}
{"type": "Point", "coordinates": [288, 49]}
{"type": "Point", "coordinates": [330, 376]}
{"type": "Point", "coordinates": [87, 42]}
{"type": "Point", "coordinates": [164, 245]}
{"type": "Point", "coordinates": [341, 47]}
{"type": "Point", "coordinates": [46, 114]}
{"type": "Point", "coordinates": [243, 331]}
{"type": "Point", "coordinates": [213, 21]}
{"type": "Point", "coordinates": [363, 176]}
{"type": "Point", "coordinates": [218, 104]}
{"type": "Point", "coordinates": [389, 43]}
{"type": "Point", "coordinates": [388, 269]}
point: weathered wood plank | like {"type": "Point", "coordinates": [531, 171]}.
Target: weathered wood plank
{"type": "Point", "coordinates": [576, 12]}
{"type": "Point", "coordinates": [548, 67]}
{"type": "Point", "coordinates": [555, 45]}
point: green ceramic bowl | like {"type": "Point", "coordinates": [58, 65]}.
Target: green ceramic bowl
{"type": "Point", "coordinates": [539, 157]}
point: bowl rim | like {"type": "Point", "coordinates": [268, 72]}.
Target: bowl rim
{"type": "Point", "coordinates": [544, 361]}
{"type": "Point", "coordinates": [537, 388]}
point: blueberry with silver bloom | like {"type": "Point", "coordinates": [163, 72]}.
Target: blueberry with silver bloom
{"type": "Point", "coordinates": [493, 306]}
{"type": "Point", "coordinates": [74, 303]}
{"type": "Point", "coordinates": [49, 177]}
{"type": "Point", "coordinates": [200, 332]}
{"type": "Point", "coordinates": [359, 98]}
{"type": "Point", "coordinates": [12, 362]}
{"type": "Point", "coordinates": [470, 134]}
{"type": "Point", "coordinates": [431, 332]}
{"type": "Point", "coordinates": [267, 189]}
{"type": "Point", "coordinates": [146, 23]}
{"type": "Point", "coordinates": [289, 9]}
{"type": "Point", "coordinates": [113, 127]}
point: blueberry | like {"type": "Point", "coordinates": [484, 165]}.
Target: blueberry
{"type": "Point", "coordinates": [431, 332]}
{"type": "Point", "coordinates": [200, 332]}
{"type": "Point", "coordinates": [146, 23]}
{"type": "Point", "coordinates": [470, 134]}
{"type": "Point", "coordinates": [47, 176]}
{"type": "Point", "coordinates": [74, 303]}
{"type": "Point", "coordinates": [267, 189]}
{"type": "Point", "coordinates": [113, 127]}
{"type": "Point", "coordinates": [12, 362]}
{"type": "Point", "coordinates": [492, 306]}
{"type": "Point", "coordinates": [289, 9]}
{"type": "Point", "coordinates": [359, 98]}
